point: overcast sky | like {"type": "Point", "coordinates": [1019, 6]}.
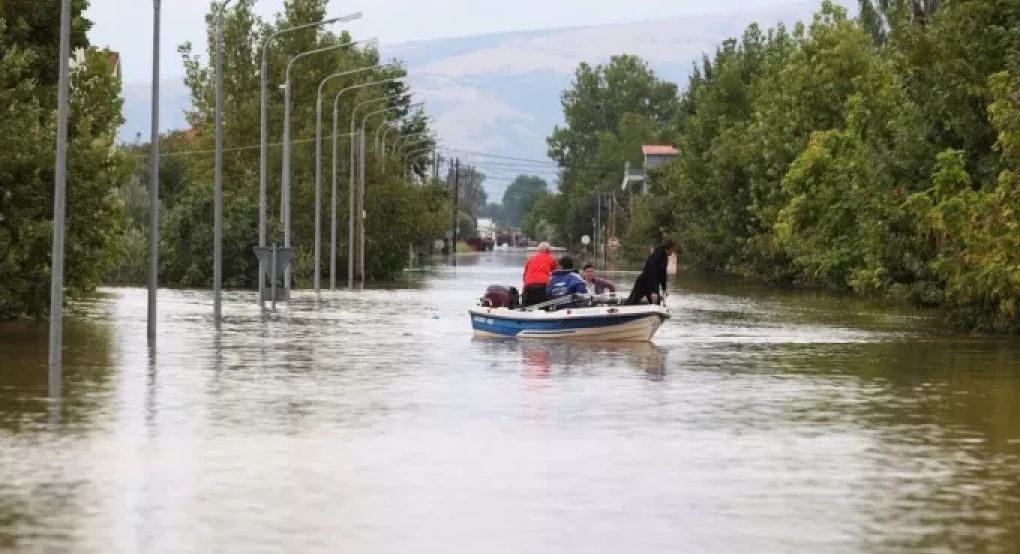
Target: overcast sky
{"type": "Point", "coordinates": [126, 25]}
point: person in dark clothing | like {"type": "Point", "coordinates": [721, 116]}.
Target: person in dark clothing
{"type": "Point", "coordinates": [652, 282]}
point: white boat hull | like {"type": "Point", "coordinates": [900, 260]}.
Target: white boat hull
{"type": "Point", "coordinates": [597, 324]}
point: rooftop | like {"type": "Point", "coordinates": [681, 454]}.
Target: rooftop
{"type": "Point", "coordinates": [658, 150]}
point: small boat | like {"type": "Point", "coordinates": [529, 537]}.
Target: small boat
{"type": "Point", "coordinates": [602, 319]}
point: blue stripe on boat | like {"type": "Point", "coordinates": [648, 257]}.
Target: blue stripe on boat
{"type": "Point", "coordinates": [512, 327]}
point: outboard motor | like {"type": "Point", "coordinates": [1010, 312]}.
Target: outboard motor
{"type": "Point", "coordinates": [498, 296]}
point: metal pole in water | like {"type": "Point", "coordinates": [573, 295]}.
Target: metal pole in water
{"type": "Point", "coordinates": [154, 178]}
{"type": "Point", "coordinates": [273, 276]}
{"type": "Point", "coordinates": [218, 171]}
{"type": "Point", "coordinates": [60, 199]}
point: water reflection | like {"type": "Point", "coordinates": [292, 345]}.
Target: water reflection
{"type": "Point", "coordinates": [565, 358]}
{"type": "Point", "coordinates": [371, 420]}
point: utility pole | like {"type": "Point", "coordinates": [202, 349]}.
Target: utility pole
{"type": "Point", "coordinates": [456, 206]}
{"type": "Point", "coordinates": [598, 225]}
{"type": "Point", "coordinates": [153, 280]}
{"type": "Point", "coordinates": [359, 244]}
{"type": "Point", "coordinates": [59, 203]}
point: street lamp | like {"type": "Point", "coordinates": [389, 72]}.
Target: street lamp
{"type": "Point", "coordinates": [218, 172]}
{"type": "Point", "coordinates": [355, 137]}
{"type": "Point", "coordinates": [361, 184]}
{"type": "Point", "coordinates": [59, 202]}
{"type": "Point", "coordinates": [153, 277]}
{"type": "Point", "coordinates": [336, 120]}
{"type": "Point", "coordinates": [414, 152]}
{"type": "Point", "coordinates": [264, 109]}
{"type": "Point", "coordinates": [381, 146]}
{"type": "Point", "coordinates": [409, 140]}
{"type": "Point", "coordinates": [384, 128]}
{"type": "Point", "coordinates": [318, 159]}
{"type": "Point", "coordinates": [285, 188]}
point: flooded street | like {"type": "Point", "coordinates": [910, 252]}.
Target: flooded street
{"type": "Point", "coordinates": [759, 421]}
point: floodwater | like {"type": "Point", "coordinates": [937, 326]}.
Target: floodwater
{"type": "Point", "coordinates": [759, 421]}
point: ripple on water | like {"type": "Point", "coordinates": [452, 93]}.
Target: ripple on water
{"type": "Point", "coordinates": [759, 421]}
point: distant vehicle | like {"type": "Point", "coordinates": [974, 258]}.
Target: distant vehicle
{"type": "Point", "coordinates": [486, 229]}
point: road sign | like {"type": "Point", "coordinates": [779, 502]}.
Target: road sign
{"type": "Point", "coordinates": [614, 243]}
{"type": "Point", "coordinates": [585, 240]}
{"type": "Point", "coordinates": [438, 244]}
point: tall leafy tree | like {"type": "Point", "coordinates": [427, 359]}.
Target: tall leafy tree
{"type": "Point", "coordinates": [607, 109]}
{"type": "Point", "coordinates": [187, 229]}
{"type": "Point", "coordinates": [520, 196]}
{"type": "Point", "coordinates": [29, 43]}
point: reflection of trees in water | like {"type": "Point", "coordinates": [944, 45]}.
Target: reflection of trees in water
{"type": "Point", "coordinates": [25, 416]}
{"type": "Point", "coordinates": [944, 422]}
{"type": "Point", "coordinates": [87, 369]}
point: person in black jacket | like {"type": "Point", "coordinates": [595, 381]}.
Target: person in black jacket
{"type": "Point", "coordinates": [652, 282]}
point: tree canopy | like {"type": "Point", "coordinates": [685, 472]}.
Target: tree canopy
{"type": "Point", "coordinates": [29, 64]}
{"type": "Point", "coordinates": [876, 154]}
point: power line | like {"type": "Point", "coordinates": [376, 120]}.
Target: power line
{"type": "Point", "coordinates": [237, 148]}
{"type": "Point", "coordinates": [499, 157]}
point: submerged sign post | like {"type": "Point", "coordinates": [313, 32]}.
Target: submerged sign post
{"type": "Point", "coordinates": [274, 261]}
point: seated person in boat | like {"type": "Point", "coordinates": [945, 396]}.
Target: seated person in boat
{"type": "Point", "coordinates": [565, 281]}
{"type": "Point", "coordinates": [596, 285]}
{"type": "Point", "coordinates": [651, 284]}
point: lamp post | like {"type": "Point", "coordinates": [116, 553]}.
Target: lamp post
{"type": "Point", "coordinates": [355, 138]}
{"type": "Point", "coordinates": [410, 140]}
{"type": "Point", "coordinates": [381, 142]}
{"type": "Point", "coordinates": [333, 225]}
{"type": "Point", "coordinates": [264, 131]}
{"type": "Point", "coordinates": [218, 172]}
{"type": "Point", "coordinates": [286, 182]}
{"type": "Point", "coordinates": [285, 188]}
{"type": "Point", "coordinates": [318, 159]}
{"type": "Point", "coordinates": [153, 277]}
{"type": "Point", "coordinates": [361, 184]}
{"type": "Point", "coordinates": [384, 128]}
{"type": "Point", "coordinates": [59, 201]}
{"type": "Point", "coordinates": [414, 152]}
{"type": "Point", "coordinates": [332, 201]}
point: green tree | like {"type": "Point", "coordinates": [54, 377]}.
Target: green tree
{"type": "Point", "coordinates": [29, 42]}
{"type": "Point", "coordinates": [608, 110]}
{"type": "Point", "coordinates": [520, 196]}
{"type": "Point", "coordinates": [187, 229]}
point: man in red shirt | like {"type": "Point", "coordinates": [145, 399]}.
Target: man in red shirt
{"type": "Point", "coordinates": [536, 275]}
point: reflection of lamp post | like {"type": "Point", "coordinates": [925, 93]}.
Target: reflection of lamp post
{"type": "Point", "coordinates": [59, 201]}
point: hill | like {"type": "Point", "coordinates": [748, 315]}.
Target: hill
{"type": "Point", "coordinates": [500, 93]}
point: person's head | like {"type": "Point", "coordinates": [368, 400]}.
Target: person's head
{"type": "Point", "coordinates": [543, 246]}
{"type": "Point", "coordinates": [589, 272]}
{"type": "Point", "coordinates": [566, 262]}
{"type": "Point", "coordinates": [669, 246]}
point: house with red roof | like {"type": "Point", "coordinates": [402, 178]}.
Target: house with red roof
{"type": "Point", "coordinates": [635, 180]}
